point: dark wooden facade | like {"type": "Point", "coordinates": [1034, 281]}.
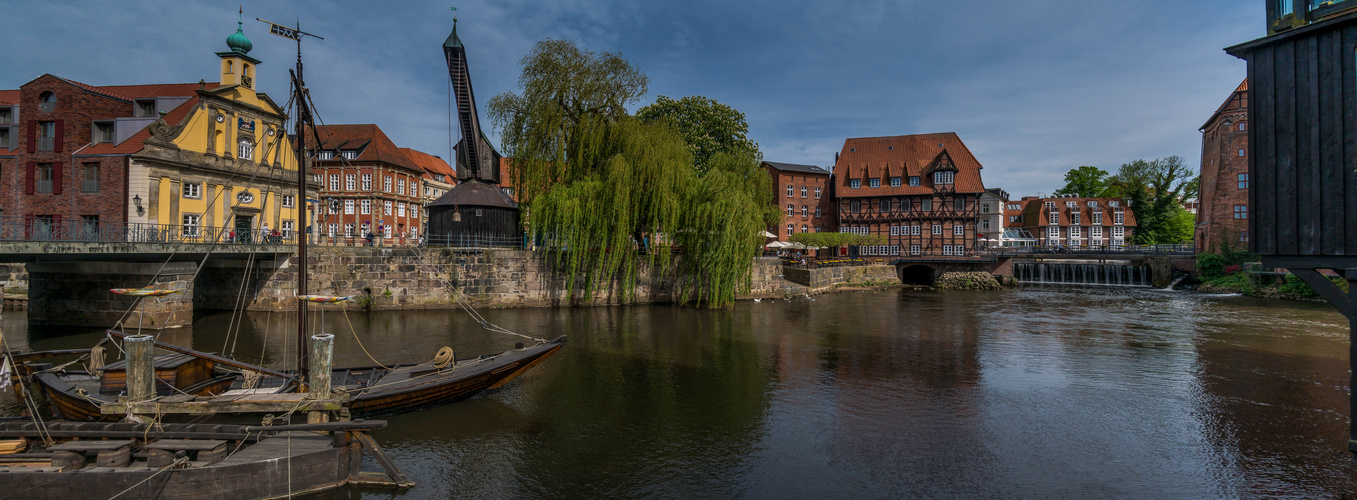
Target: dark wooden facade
{"type": "Point", "coordinates": [1303, 144]}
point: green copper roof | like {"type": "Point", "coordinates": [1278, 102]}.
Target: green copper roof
{"type": "Point", "coordinates": [453, 41]}
{"type": "Point", "coordinates": [237, 41]}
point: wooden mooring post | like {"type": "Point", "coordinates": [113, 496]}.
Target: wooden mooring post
{"type": "Point", "coordinates": [322, 358]}
{"type": "Point", "coordinates": [140, 367]}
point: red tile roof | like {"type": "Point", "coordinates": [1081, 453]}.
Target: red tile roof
{"type": "Point", "coordinates": [9, 97]}
{"type": "Point", "coordinates": [375, 145]}
{"type": "Point", "coordinates": [904, 156]}
{"type": "Point", "coordinates": [430, 164]}
{"type": "Point", "coordinates": [1035, 214]}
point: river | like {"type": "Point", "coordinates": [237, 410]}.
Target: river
{"type": "Point", "coordinates": [1039, 392]}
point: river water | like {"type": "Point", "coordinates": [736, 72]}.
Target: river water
{"type": "Point", "coordinates": [1040, 392]}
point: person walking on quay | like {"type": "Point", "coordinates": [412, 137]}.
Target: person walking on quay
{"type": "Point", "coordinates": [264, 232]}
{"type": "Point", "coordinates": [381, 229]}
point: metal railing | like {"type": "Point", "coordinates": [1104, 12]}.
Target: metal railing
{"type": "Point", "coordinates": [1177, 249]}
{"type": "Point", "coordinates": [81, 230]}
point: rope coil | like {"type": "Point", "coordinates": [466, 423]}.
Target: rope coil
{"type": "Point", "coordinates": [443, 358]}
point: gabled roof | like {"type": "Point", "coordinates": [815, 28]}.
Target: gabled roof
{"type": "Point", "coordinates": [475, 193]}
{"type": "Point", "coordinates": [793, 167]}
{"type": "Point", "coordinates": [376, 146]}
{"type": "Point", "coordinates": [1238, 100]}
{"type": "Point", "coordinates": [431, 164]}
{"type": "Point", "coordinates": [905, 156]}
{"type": "Point", "coordinates": [1035, 214]}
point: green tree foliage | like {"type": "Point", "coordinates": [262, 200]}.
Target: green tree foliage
{"type": "Point", "coordinates": [1085, 182]}
{"type": "Point", "coordinates": [834, 240]}
{"type": "Point", "coordinates": [603, 187]}
{"type": "Point", "coordinates": [707, 126]}
{"type": "Point", "coordinates": [1181, 225]}
{"type": "Point", "coordinates": [1153, 189]}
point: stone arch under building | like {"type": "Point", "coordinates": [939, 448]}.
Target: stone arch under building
{"type": "Point", "coordinates": [918, 274]}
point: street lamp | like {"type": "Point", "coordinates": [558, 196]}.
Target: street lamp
{"type": "Point", "coordinates": [136, 202]}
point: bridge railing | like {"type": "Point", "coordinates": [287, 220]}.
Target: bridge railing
{"type": "Point", "coordinates": [39, 229]}
{"type": "Point", "coordinates": [1097, 250]}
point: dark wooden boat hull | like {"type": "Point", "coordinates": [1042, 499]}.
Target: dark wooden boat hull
{"type": "Point", "coordinates": [69, 404]}
{"type": "Point", "coordinates": [435, 389]}
{"type": "Point", "coordinates": [286, 463]}
{"type": "Point", "coordinates": [382, 398]}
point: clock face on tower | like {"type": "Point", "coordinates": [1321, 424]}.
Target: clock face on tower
{"type": "Point", "coordinates": [245, 197]}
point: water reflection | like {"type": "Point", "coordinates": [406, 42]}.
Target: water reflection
{"type": "Point", "coordinates": [1036, 392]}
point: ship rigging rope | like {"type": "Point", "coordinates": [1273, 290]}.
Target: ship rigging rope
{"type": "Point", "coordinates": [355, 338]}
{"type": "Point", "coordinates": [465, 302]}
{"type": "Point", "coordinates": [29, 403]}
{"type": "Point", "coordinates": [173, 464]}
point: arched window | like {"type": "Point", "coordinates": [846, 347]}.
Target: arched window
{"type": "Point", "coordinates": [230, 66]}
{"type": "Point", "coordinates": [47, 101]}
{"type": "Point", "coordinates": [246, 150]}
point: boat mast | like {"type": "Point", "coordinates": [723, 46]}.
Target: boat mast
{"type": "Point", "coordinates": [299, 142]}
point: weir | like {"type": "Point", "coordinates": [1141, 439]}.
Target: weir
{"type": "Point", "coordinates": [1115, 274]}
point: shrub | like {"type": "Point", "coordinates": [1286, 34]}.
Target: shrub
{"type": "Point", "coordinates": [1232, 269]}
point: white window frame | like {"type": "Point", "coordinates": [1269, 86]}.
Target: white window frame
{"type": "Point", "coordinates": [386, 207]}
{"type": "Point", "coordinates": [817, 192]}
{"type": "Point", "coordinates": [937, 229]}
{"type": "Point", "coordinates": [348, 207]}
{"type": "Point", "coordinates": [1053, 232]}
{"type": "Point", "coordinates": [958, 230]}
{"type": "Point", "coordinates": [895, 230]}
{"type": "Point", "coordinates": [855, 183]}
{"type": "Point", "coordinates": [386, 183]}
{"type": "Point", "coordinates": [192, 225]}
{"type": "Point", "coordinates": [350, 182]}
{"type": "Point", "coordinates": [287, 227]}
{"type": "Point", "coordinates": [348, 230]}
{"type": "Point", "coordinates": [805, 211]}
{"type": "Point", "coordinates": [944, 177]}
{"type": "Point", "coordinates": [334, 229]}
{"type": "Point", "coordinates": [246, 150]}
{"type": "Point", "coordinates": [327, 154]}
{"type": "Point", "coordinates": [1095, 232]}
{"type": "Point", "coordinates": [914, 249]}
{"type": "Point", "coordinates": [789, 190]}
{"type": "Point", "coordinates": [349, 154]}
{"type": "Point", "coordinates": [289, 201]}
{"type": "Point", "coordinates": [791, 229]}
{"type": "Point", "coordinates": [874, 182]}
{"type": "Point", "coordinates": [193, 190]}
{"type": "Point", "coordinates": [895, 182]}
{"type": "Point", "coordinates": [1118, 218]}
{"type": "Point", "coordinates": [365, 207]}
{"type": "Point", "coordinates": [367, 182]}
{"type": "Point", "coordinates": [334, 182]}
{"type": "Point", "coordinates": [400, 210]}
{"type": "Point", "coordinates": [914, 181]}
{"type": "Point", "coordinates": [791, 210]}
{"type": "Point", "coordinates": [803, 191]}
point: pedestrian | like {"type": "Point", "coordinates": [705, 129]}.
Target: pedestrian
{"type": "Point", "coordinates": [369, 238]}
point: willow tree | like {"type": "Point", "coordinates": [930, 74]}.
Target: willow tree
{"type": "Point", "coordinates": [602, 187]}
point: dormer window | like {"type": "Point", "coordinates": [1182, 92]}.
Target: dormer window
{"type": "Point", "coordinates": [943, 177]}
{"type": "Point", "coordinates": [855, 183]}
{"type": "Point", "coordinates": [914, 180]}
{"type": "Point", "coordinates": [1114, 204]}
{"type": "Point", "coordinates": [327, 154]}
{"type": "Point", "coordinates": [874, 182]}
{"type": "Point", "coordinates": [1071, 204]}
{"type": "Point", "coordinates": [103, 131]}
{"type": "Point", "coordinates": [349, 154]}
{"type": "Point", "coordinates": [895, 182]}
{"type": "Point", "coordinates": [146, 108]}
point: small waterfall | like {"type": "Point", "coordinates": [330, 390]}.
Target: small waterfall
{"type": "Point", "coordinates": [1176, 282]}
{"type": "Point", "coordinates": [1082, 274]}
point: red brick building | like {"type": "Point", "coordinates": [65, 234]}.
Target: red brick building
{"type": "Point", "coordinates": [367, 185]}
{"type": "Point", "coordinates": [65, 148]}
{"type": "Point", "coordinates": [1072, 222]}
{"type": "Point", "coordinates": [919, 191]}
{"type": "Point", "coordinates": [803, 192]}
{"type": "Point", "coordinates": [1223, 204]}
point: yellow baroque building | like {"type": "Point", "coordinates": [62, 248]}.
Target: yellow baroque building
{"type": "Point", "coordinates": [221, 164]}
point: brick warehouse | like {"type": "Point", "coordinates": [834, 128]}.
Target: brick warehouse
{"type": "Point", "coordinates": [1223, 214]}
{"type": "Point", "coordinates": [919, 191]}
{"type": "Point", "coordinates": [805, 195]}
{"type": "Point", "coordinates": [47, 129]}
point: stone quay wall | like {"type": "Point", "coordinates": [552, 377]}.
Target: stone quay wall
{"type": "Point", "coordinates": [823, 278]}
{"type": "Point", "coordinates": [407, 278]}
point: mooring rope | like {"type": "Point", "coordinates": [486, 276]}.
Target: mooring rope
{"type": "Point", "coordinates": [463, 301]}
{"type": "Point", "coordinates": [175, 463]}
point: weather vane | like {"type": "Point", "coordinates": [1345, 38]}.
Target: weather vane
{"type": "Point", "coordinates": [454, 18]}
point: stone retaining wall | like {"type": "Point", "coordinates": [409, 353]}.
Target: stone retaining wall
{"type": "Point", "coordinates": [406, 278]}
{"type": "Point", "coordinates": [825, 277]}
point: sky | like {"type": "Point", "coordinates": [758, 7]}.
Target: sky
{"type": "Point", "coordinates": [1033, 87]}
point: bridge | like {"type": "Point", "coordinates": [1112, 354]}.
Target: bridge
{"type": "Point", "coordinates": [1161, 259]}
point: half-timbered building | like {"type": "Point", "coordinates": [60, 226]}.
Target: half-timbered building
{"type": "Point", "coordinates": [919, 191]}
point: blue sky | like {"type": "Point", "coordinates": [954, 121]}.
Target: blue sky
{"type": "Point", "coordinates": [1034, 87]}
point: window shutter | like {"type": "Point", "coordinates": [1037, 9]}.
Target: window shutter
{"type": "Point", "coordinates": [56, 171]}
{"type": "Point", "coordinates": [57, 138]}
{"type": "Point", "coordinates": [32, 142]}
{"type": "Point", "coordinates": [29, 186]}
